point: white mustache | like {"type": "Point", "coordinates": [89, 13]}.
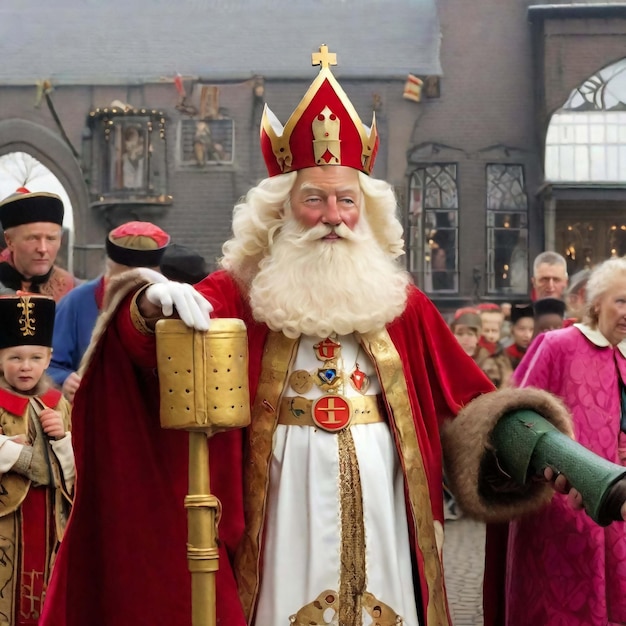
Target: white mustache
{"type": "Point", "coordinates": [323, 230]}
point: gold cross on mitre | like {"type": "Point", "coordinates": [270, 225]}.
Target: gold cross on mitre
{"type": "Point", "coordinates": [323, 57]}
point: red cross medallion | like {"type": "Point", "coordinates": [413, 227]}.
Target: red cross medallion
{"type": "Point", "coordinates": [327, 349]}
{"type": "Point", "coordinates": [332, 412]}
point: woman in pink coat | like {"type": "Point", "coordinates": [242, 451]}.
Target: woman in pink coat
{"type": "Point", "coordinates": [562, 568]}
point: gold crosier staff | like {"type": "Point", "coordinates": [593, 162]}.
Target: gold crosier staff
{"type": "Point", "coordinates": [203, 379]}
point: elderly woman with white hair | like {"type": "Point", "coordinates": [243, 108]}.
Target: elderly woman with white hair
{"type": "Point", "coordinates": [562, 568]}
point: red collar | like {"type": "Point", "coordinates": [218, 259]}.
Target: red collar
{"type": "Point", "coordinates": [515, 351]}
{"type": "Point", "coordinates": [490, 346]}
{"type": "Point", "coordinates": [16, 403]}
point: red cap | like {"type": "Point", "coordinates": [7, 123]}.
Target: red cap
{"type": "Point", "coordinates": [464, 310]}
{"type": "Point", "coordinates": [488, 306]}
{"type": "Point", "coordinates": [137, 244]}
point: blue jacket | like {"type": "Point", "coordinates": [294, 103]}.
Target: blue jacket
{"type": "Point", "coordinates": [74, 321]}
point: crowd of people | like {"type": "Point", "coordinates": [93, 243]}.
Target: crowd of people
{"type": "Point", "coordinates": [361, 395]}
{"type": "Point", "coordinates": [583, 362]}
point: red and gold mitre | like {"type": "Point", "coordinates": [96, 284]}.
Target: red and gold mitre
{"type": "Point", "coordinates": [325, 129]}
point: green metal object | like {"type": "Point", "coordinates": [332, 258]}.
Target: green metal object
{"type": "Point", "coordinates": [526, 444]}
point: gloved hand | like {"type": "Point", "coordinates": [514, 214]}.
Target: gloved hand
{"type": "Point", "coordinates": [193, 309]}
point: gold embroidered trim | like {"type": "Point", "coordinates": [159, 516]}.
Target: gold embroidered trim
{"type": "Point", "coordinates": [10, 556]}
{"type": "Point", "coordinates": [278, 353]}
{"type": "Point", "coordinates": [352, 578]}
{"type": "Point", "coordinates": [27, 319]}
{"type": "Point", "coordinates": [316, 612]}
{"type": "Point", "coordinates": [391, 376]}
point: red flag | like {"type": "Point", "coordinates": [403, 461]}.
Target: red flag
{"type": "Point", "coordinates": [178, 83]}
{"type": "Point", "coordinates": [413, 88]}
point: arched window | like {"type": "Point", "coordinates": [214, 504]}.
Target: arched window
{"type": "Point", "coordinates": [585, 163]}
{"type": "Point", "coordinates": [507, 229]}
{"type": "Point", "coordinates": [586, 138]}
{"type": "Point", "coordinates": [434, 227]}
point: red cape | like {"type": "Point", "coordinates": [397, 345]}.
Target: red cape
{"type": "Point", "coordinates": [123, 559]}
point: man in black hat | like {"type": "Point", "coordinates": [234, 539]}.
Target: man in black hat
{"type": "Point", "coordinates": [32, 224]}
{"type": "Point", "coordinates": [183, 264]}
{"type": "Point", "coordinates": [549, 314]}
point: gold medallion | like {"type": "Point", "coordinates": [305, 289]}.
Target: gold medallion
{"type": "Point", "coordinates": [327, 350]}
{"type": "Point", "coordinates": [332, 412]}
{"type": "Point", "coordinates": [301, 381]}
{"type": "Point", "coordinates": [327, 378]}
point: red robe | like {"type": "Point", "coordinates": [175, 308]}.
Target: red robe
{"type": "Point", "coordinates": [123, 559]}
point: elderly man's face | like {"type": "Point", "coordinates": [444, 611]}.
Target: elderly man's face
{"type": "Point", "coordinates": [329, 195]}
{"type": "Point", "coordinates": [34, 247]}
{"type": "Point", "coordinates": [549, 281]}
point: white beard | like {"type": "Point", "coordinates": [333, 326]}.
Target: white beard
{"type": "Point", "coordinates": [309, 286]}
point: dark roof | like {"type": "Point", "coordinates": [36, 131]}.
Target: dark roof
{"type": "Point", "coordinates": [133, 41]}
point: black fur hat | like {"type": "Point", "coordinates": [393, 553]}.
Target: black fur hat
{"type": "Point", "coordinates": [24, 207]}
{"type": "Point", "coordinates": [26, 319]}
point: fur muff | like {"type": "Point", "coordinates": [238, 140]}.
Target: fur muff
{"type": "Point", "coordinates": [483, 490]}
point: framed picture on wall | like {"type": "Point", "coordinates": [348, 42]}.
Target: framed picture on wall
{"type": "Point", "coordinates": [129, 156]}
{"type": "Point", "coordinates": [125, 156]}
{"type": "Point", "coordinates": [206, 142]}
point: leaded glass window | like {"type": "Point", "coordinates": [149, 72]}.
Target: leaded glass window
{"type": "Point", "coordinates": [434, 227]}
{"type": "Point", "coordinates": [507, 229]}
{"type": "Point", "coordinates": [586, 138]}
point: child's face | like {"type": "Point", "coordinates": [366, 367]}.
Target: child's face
{"type": "Point", "coordinates": [492, 326]}
{"type": "Point", "coordinates": [23, 366]}
{"type": "Point", "coordinates": [490, 367]}
{"type": "Point", "coordinates": [467, 337]}
{"type": "Point", "coordinates": [522, 331]}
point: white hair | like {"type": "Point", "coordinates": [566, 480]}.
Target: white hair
{"type": "Point", "coordinates": [601, 279]}
{"type": "Point", "coordinates": [299, 283]}
{"type": "Point", "coordinates": [265, 209]}
{"type": "Point", "coordinates": [549, 257]}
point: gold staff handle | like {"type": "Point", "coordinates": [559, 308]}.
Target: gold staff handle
{"type": "Point", "coordinates": [203, 379]}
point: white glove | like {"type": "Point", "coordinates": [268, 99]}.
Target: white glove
{"type": "Point", "coordinates": [194, 310]}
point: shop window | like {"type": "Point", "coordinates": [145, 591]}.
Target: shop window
{"type": "Point", "coordinates": [507, 230]}
{"type": "Point", "coordinates": [126, 156]}
{"type": "Point", "coordinates": [433, 228]}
